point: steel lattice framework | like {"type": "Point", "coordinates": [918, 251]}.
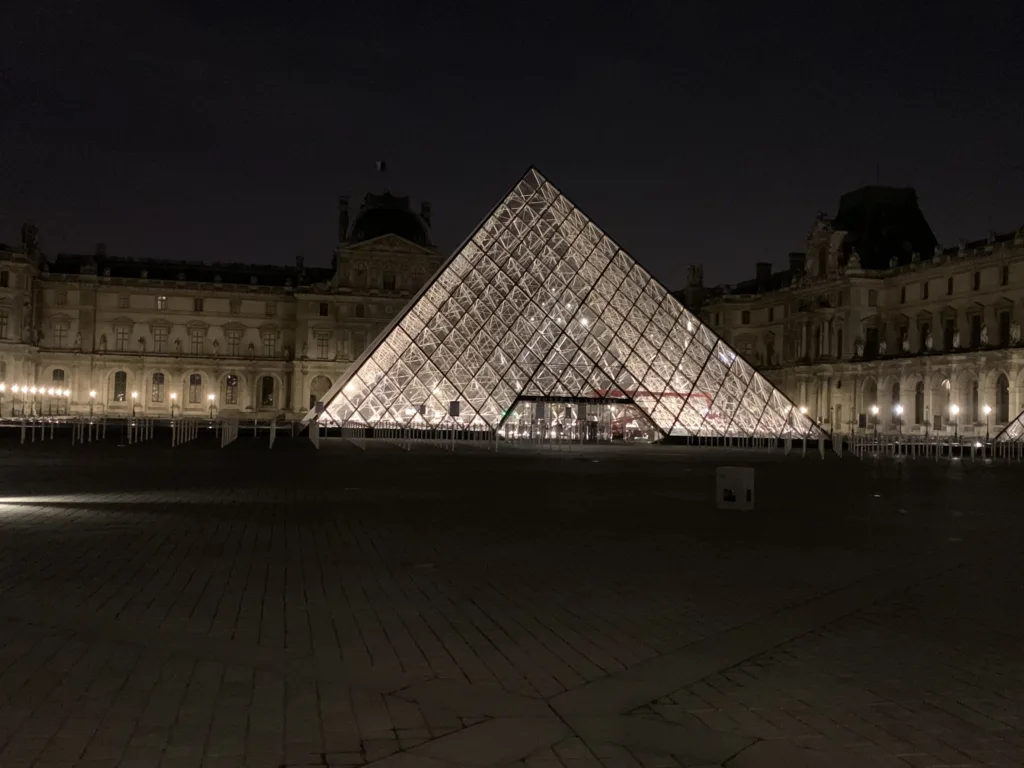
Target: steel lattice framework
{"type": "Point", "coordinates": [539, 302]}
{"type": "Point", "coordinates": [1012, 431]}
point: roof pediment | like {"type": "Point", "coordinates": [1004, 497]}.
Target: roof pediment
{"type": "Point", "coordinates": [388, 244]}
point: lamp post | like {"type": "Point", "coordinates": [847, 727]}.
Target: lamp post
{"type": "Point", "coordinates": [211, 397]}
{"type": "Point", "coordinates": [954, 409]}
{"type": "Point", "coordinates": [174, 397]}
{"type": "Point", "coordinates": [987, 410]}
{"type": "Point", "coordinates": [874, 417]}
{"type": "Point", "coordinates": [92, 401]}
{"type": "Point", "coordinates": [135, 397]}
{"type": "Point", "coordinates": [898, 410]}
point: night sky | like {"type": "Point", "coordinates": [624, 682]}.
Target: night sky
{"type": "Point", "coordinates": [692, 133]}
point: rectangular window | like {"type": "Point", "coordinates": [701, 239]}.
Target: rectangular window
{"type": "Point", "coordinates": [234, 342]}
{"type": "Point", "coordinates": [121, 339]}
{"type": "Point", "coordinates": [231, 390]}
{"type": "Point", "coordinates": [123, 302]}
{"type": "Point", "coordinates": [1004, 274]}
{"type": "Point", "coordinates": [976, 330]}
{"type": "Point", "coordinates": [947, 334]}
{"type": "Point", "coordinates": [197, 304]}
{"type": "Point", "coordinates": [924, 290]}
{"type": "Point", "coordinates": [389, 281]}
{"type": "Point", "coordinates": [120, 387]}
{"type": "Point", "coordinates": [3, 325]}
{"type": "Point", "coordinates": [745, 317]}
{"type": "Point", "coordinates": [161, 302]}
{"type": "Point", "coordinates": [872, 298]}
{"type": "Point", "coordinates": [1004, 328]}
{"type": "Point", "coordinates": [60, 336]}
{"type": "Point", "coordinates": [159, 339]}
{"type": "Point", "coordinates": [195, 388]}
{"type": "Point", "coordinates": [235, 306]}
{"type": "Point", "coordinates": [323, 342]}
{"type": "Point", "coordinates": [903, 295]}
{"type": "Point", "coordinates": [60, 297]}
{"type": "Point", "coordinates": [949, 286]}
{"type": "Point", "coordinates": [324, 310]}
{"type": "Point", "coordinates": [157, 392]}
{"type": "Point", "coordinates": [5, 279]}
{"type": "Point", "coordinates": [195, 338]}
{"type": "Point", "coordinates": [270, 344]}
{"type": "Point", "coordinates": [976, 281]}
{"type": "Point", "coordinates": [771, 314]}
{"type": "Point", "coordinates": [270, 309]}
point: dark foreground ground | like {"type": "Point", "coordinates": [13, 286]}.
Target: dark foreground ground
{"type": "Point", "coordinates": [245, 607]}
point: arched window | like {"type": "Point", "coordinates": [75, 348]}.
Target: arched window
{"type": "Point", "coordinates": [267, 392]}
{"type": "Point", "coordinates": [57, 377]}
{"type": "Point", "coordinates": [231, 390]}
{"type": "Point", "coordinates": [156, 394]}
{"type": "Point", "coordinates": [870, 394]}
{"type": "Point", "coordinates": [120, 387]}
{"type": "Point", "coordinates": [1002, 399]}
{"type": "Point", "coordinates": [974, 401]}
{"type": "Point", "coordinates": [919, 403]}
{"type": "Point", "coordinates": [318, 388]}
{"type": "Point", "coordinates": [195, 389]}
{"type": "Point", "coordinates": [3, 370]}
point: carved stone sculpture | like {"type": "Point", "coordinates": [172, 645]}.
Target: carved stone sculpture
{"type": "Point", "coordinates": [956, 339]}
{"type": "Point", "coordinates": [78, 340]}
{"type": "Point", "coordinates": [928, 340]}
{"type": "Point", "coordinates": [103, 343]}
{"type": "Point", "coordinates": [984, 334]}
{"type": "Point", "coordinates": [905, 343]}
{"type": "Point", "coordinates": [1015, 333]}
{"type": "Point", "coordinates": [854, 261]}
{"type": "Point", "coordinates": [177, 346]}
{"type": "Point", "coordinates": [882, 347]}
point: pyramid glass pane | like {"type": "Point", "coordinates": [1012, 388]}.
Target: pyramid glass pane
{"type": "Point", "coordinates": [541, 318]}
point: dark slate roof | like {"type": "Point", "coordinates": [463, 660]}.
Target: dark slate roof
{"type": "Point", "coordinates": [389, 215]}
{"type": "Point", "coordinates": [883, 222]}
{"type": "Point", "coordinates": [187, 271]}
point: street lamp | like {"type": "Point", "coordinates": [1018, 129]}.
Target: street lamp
{"type": "Point", "coordinates": [874, 417]}
{"type": "Point", "coordinates": [803, 409]}
{"type": "Point", "coordinates": [135, 397]}
{"type": "Point", "coordinates": [174, 396]}
{"type": "Point", "coordinates": [987, 410]}
{"type": "Point", "coordinates": [954, 409]}
{"type": "Point", "coordinates": [898, 410]}
{"type": "Point", "coordinates": [92, 401]}
{"type": "Point", "coordinates": [211, 397]}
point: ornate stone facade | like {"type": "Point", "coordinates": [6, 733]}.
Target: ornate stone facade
{"type": "Point", "coordinates": [158, 336]}
{"type": "Point", "coordinates": [876, 315]}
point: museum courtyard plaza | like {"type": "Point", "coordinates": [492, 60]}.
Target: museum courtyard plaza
{"type": "Point", "coordinates": [368, 605]}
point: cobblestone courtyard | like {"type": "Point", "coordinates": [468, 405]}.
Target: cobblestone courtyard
{"type": "Point", "coordinates": [242, 607]}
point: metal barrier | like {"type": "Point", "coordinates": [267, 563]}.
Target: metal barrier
{"type": "Point", "coordinates": [934, 447]}
{"type": "Point", "coordinates": [228, 432]}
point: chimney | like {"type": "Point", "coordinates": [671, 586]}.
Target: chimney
{"type": "Point", "coordinates": [342, 218]}
{"type": "Point", "coordinates": [796, 263]}
{"type": "Point", "coordinates": [425, 212]}
{"type": "Point", "coordinates": [101, 249]}
{"type": "Point", "coordinates": [764, 272]}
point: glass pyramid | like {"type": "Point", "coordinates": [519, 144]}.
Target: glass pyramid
{"type": "Point", "coordinates": [1013, 431]}
{"type": "Point", "coordinates": [540, 303]}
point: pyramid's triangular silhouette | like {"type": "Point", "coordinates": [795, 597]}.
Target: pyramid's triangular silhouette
{"type": "Point", "coordinates": [1012, 431]}
{"type": "Point", "coordinates": [540, 303]}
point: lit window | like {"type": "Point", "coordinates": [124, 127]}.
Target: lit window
{"type": "Point", "coordinates": [195, 388]}
{"type": "Point", "coordinates": [121, 339]}
{"type": "Point", "coordinates": [161, 302]}
{"type": "Point", "coordinates": [195, 338]}
{"type": "Point", "coordinates": [157, 390]}
{"type": "Point", "coordinates": [234, 342]}
{"type": "Point", "coordinates": [231, 390]}
{"type": "Point", "coordinates": [323, 341]}
{"type": "Point", "coordinates": [159, 339]}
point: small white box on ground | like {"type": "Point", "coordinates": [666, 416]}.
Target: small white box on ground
{"type": "Point", "coordinates": [734, 488]}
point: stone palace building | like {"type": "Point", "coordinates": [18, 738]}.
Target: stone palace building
{"type": "Point", "coordinates": [877, 326]}
{"type": "Point", "coordinates": [111, 335]}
